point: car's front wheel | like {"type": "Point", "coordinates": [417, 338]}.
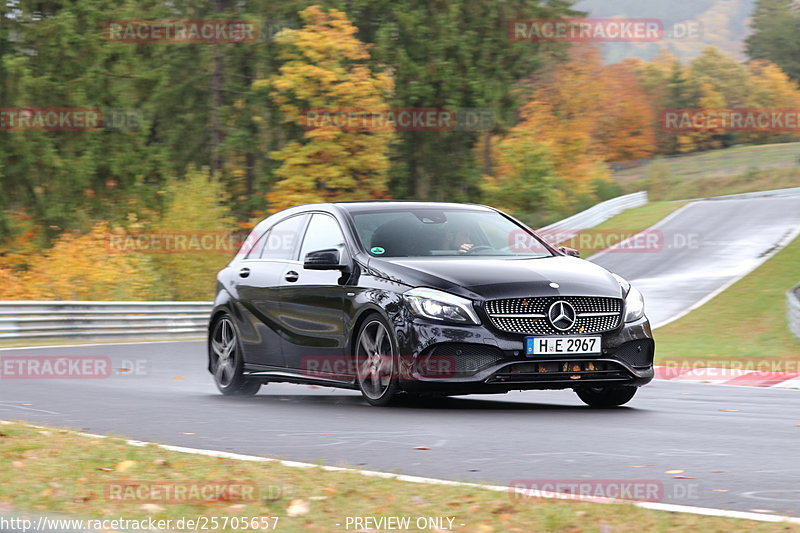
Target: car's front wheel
{"type": "Point", "coordinates": [606, 397]}
{"type": "Point", "coordinates": [227, 364]}
{"type": "Point", "coordinates": [376, 361]}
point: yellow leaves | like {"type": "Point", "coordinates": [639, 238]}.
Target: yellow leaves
{"type": "Point", "coordinates": [325, 68]}
{"type": "Point", "coordinates": [80, 267]}
{"type": "Point", "coordinates": [124, 466]}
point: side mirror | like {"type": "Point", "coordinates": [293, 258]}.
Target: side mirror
{"type": "Point", "coordinates": [572, 252]}
{"type": "Point", "coordinates": [328, 259]}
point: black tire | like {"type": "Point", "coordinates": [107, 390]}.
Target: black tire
{"type": "Point", "coordinates": [376, 370]}
{"type": "Point", "coordinates": [227, 364]}
{"type": "Point", "coordinates": [606, 397]}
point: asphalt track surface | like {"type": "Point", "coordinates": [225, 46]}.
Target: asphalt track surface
{"type": "Point", "coordinates": [701, 249]}
{"type": "Point", "coordinates": [737, 445]}
{"type": "Point", "coordinates": [738, 439]}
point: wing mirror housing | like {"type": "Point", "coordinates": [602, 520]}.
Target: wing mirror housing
{"type": "Point", "coordinates": [328, 259]}
{"type": "Point", "coordinates": [566, 250]}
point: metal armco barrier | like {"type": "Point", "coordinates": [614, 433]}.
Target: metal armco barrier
{"type": "Point", "coordinates": [566, 229]}
{"type": "Point", "coordinates": [91, 320]}
{"type": "Point", "coordinates": [793, 310]}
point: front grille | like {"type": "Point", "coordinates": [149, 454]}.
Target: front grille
{"type": "Point", "coordinates": [540, 325]}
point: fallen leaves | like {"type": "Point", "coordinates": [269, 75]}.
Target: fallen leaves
{"type": "Point", "coordinates": [421, 448]}
{"type": "Point", "coordinates": [124, 466]}
{"type": "Point", "coordinates": [729, 410]}
{"type": "Point", "coordinates": [151, 508]}
{"type": "Point", "coordinates": [298, 508]}
{"type": "Point", "coordinates": [673, 471]}
{"type": "Point", "coordinates": [178, 378]}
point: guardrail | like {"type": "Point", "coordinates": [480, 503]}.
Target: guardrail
{"type": "Point", "coordinates": [564, 230]}
{"type": "Point", "coordinates": [793, 310]}
{"type": "Point", "coordinates": [772, 193]}
{"type": "Point", "coordinates": [94, 320]}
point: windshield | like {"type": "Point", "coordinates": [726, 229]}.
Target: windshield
{"type": "Point", "coordinates": [435, 232]}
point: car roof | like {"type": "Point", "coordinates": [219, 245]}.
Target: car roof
{"type": "Point", "coordinates": [395, 205]}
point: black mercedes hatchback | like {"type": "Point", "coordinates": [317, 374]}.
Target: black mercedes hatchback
{"type": "Point", "coordinates": [415, 298]}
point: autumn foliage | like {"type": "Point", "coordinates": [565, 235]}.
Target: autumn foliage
{"type": "Point", "coordinates": [325, 68]}
{"type": "Point", "coordinates": [580, 116]}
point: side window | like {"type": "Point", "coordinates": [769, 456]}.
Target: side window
{"type": "Point", "coordinates": [281, 241]}
{"type": "Point", "coordinates": [323, 232]}
{"type": "Point", "coordinates": [255, 250]}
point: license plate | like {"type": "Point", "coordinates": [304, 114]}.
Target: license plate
{"type": "Point", "coordinates": [561, 345]}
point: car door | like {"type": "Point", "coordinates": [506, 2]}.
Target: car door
{"type": "Point", "coordinates": [312, 302]}
{"type": "Point", "coordinates": [259, 281]}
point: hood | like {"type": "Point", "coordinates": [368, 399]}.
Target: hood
{"type": "Point", "coordinates": [489, 278]}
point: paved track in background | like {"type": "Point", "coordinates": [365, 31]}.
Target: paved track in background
{"type": "Point", "coordinates": [749, 452]}
{"type": "Point", "coordinates": [706, 245]}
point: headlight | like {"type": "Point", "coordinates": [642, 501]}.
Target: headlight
{"type": "Point", "coordinates": [634, 302]}
{"type": "Point", "coordinates": [438, 305]}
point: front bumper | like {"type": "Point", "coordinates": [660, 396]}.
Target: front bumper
{"type": "Point", "coordinates": [479, 359]}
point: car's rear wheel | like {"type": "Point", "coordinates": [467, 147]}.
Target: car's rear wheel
{"type": "Point", "coordinates": [376, 361]}
{"type": "Point", "coordinates": [227, 364]}
{"type": "Point", "coordinates": [606, 397]}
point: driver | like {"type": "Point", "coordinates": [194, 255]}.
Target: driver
{"type": "Point", "coordinates": [458, 240]}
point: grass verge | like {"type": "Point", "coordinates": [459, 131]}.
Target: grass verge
{"type": "Point", "coordinates": [745, 322]}
{"type": "Point", "coordinates": [731, 161]}
{"type": "Point", "coordinates": [57, 471]}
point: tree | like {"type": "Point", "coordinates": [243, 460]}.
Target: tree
{"type": "Point", "coordinates": [775, 25]}
{"type": "Point", "coordinates": [196, 209]}
{"type": "Point", "coordinates": [626, 125]}
{"type": "Point", "coordinates": [525, 180]}
{"type": "Point", "coordinates": [452, 55]}
{"type": "Point", "coordinates": [325, 67]}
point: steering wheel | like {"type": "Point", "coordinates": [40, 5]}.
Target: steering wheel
{"type": "Point", "coordinates": [478, 248]}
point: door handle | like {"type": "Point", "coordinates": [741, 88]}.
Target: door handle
{"type": "Point", "coordinates": [292, 276]}
{"type": "Point", "coordinates": [243, 273]}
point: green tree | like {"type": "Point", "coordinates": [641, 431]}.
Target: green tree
{"type": "Point", "coordinates": [451, 55]}
{"type": "Point", "coordinates": [775, 25]}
